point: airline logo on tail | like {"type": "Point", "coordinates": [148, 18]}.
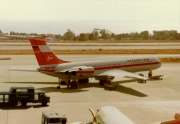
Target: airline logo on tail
{"type": "Point", "coordinates": [49, 58]}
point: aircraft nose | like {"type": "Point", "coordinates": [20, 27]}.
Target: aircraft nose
{"type": "Point", "coordinates": [159, 62]}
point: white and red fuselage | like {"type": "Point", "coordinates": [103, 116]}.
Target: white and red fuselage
{"type": "Point", "coordinates": [136, 64]}
{"type": "Point", "coordinates": [50, 64]}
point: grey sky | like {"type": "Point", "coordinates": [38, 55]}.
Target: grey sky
{"type": "Point", "coordinates": [118, 16]}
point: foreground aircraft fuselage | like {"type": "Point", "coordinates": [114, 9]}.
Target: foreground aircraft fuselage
{"type": "Point", "coordinates": [109, 115]}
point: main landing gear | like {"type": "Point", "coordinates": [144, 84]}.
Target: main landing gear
{"type": "Point", "coordinates": [107, 84]}
{"type": "Point", "coordinates": [72, 83]}
{"type": "Point", "coordinates": [58, 87]}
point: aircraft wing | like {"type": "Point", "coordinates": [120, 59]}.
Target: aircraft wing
{"type": "Point", "coordinates": [121, 73]}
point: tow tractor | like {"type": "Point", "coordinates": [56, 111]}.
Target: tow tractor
{"type": "Point", "coordinates": [51, 117]}
{"type": "Point", "coordinates": [154, 77]}
{"type": "Point", "coordinates": [157, 77]}
{"type": "Point", "coordinates": [23, 95]}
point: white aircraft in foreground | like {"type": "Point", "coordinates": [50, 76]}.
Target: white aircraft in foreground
{"type": "Point", "coordinates": [109, 115]}
{"type": "Point", "coordinates": [103, 70]}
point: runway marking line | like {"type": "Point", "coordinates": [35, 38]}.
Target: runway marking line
{"type": "Point", "coordinates": [170, 90]}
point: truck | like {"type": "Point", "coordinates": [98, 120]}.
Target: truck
{"type": "Point", "coordinates": [23, 95]}
{"type": "Point", "coordinates": [50, 117]}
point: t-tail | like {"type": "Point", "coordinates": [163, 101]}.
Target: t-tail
{"type": "Point", "coordinates": [44, 55]}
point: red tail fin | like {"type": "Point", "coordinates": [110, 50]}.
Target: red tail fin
{"type": "Point", "coordinates": [171, 122]}
{"type": "Point", "coordinates": [44, 55]}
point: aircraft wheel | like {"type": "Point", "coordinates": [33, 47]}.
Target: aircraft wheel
{"type": "Point", "coordinates": [44, 103]}
{"type": "Point", "coordinates": [105, 87]}
{"type": "Point", "coordinates": [83, 81]}
{"type": "Point", "coordinates": [63, 83]}
{"type": "Point", "coordinates": [86, 80]}
{"type": "Point", "coordinates": [141, 81]}
{"type": "Point", "coordinates": [75, 86]}
{"type": "Point", "coordinates": [23, 103]}
{"type": "Point", "coordinates": [101, 82]}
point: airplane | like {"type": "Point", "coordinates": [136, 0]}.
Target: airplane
{"type": "Point", "coordinates": [72, 73]}
{"type": "Point", "coordinates": [109, 115]}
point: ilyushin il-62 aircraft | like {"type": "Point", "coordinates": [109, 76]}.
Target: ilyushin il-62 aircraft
{"type": "Point", "coordinates": [73, 73]}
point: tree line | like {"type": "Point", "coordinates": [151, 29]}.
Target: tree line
{"type": "Point", "coordinates": [103, 34]}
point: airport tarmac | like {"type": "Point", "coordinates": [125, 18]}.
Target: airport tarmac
{"type": "Point", "coordinates": [154, 101]}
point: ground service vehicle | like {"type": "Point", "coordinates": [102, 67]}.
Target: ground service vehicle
{"type": "Point", "coordinates": [52, 118]}
{"type": "Point", "coordinates": [24, 95]}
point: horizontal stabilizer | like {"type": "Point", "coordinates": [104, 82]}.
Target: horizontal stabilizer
{"type": "Point", "coordinates": [26, 70]}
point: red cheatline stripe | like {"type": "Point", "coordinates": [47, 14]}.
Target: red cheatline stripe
{"type": "Point", "coordinates": [126, 66]}
{"type": "Point", "coordinates": [116, 67]}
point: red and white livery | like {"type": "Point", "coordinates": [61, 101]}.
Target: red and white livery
{"type": "Point", "coordinates": [103, 70]}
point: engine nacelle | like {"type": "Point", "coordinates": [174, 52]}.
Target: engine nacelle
{"type": "Point", "coordinates": [85, 70]}
{"type": "Point", "coordinates": [81, 70]}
